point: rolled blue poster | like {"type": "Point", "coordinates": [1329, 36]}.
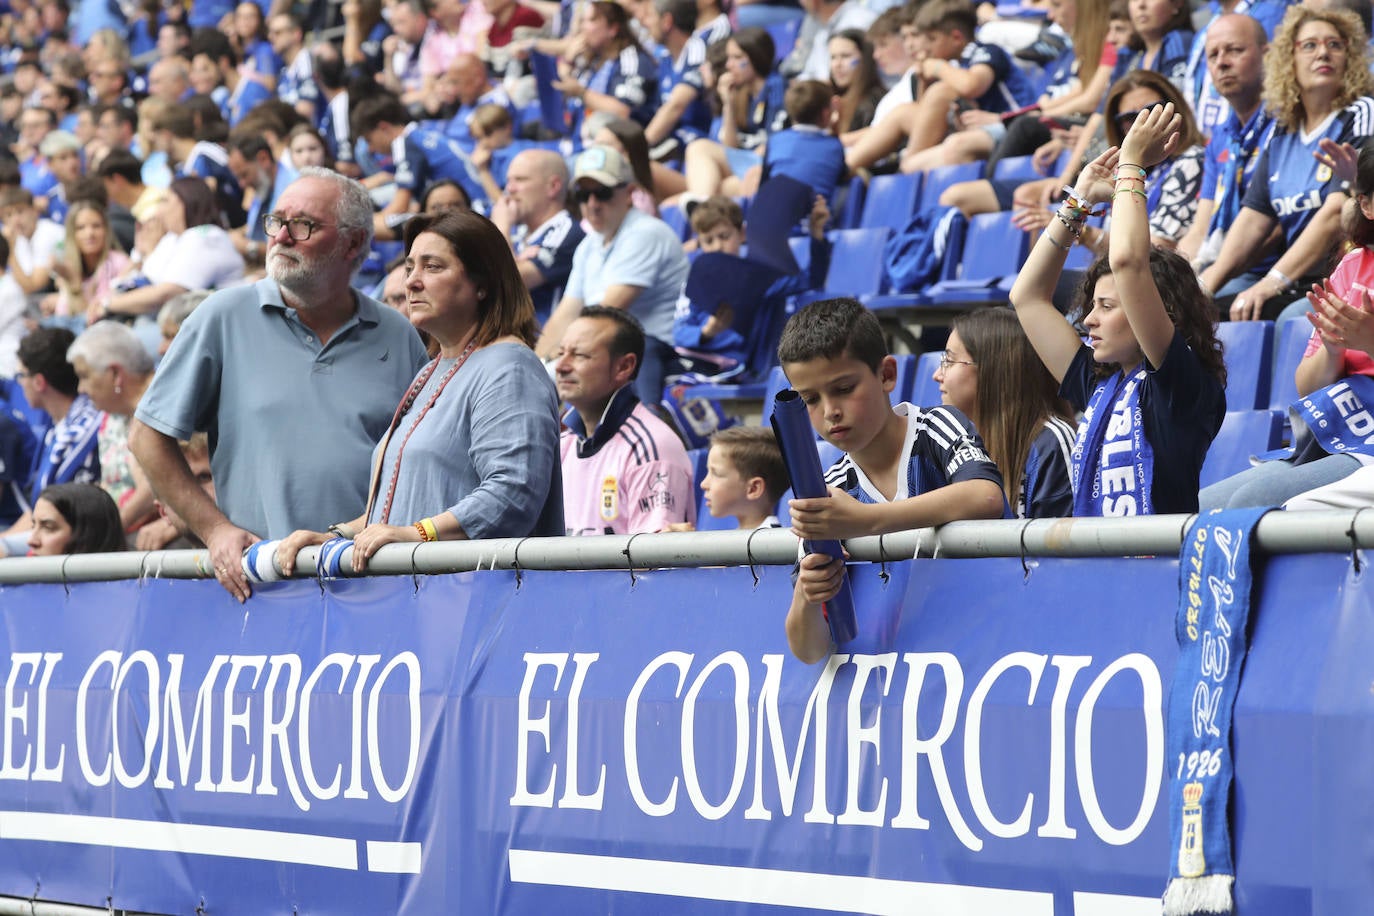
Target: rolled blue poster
{"type": "Point", "coordinates": [797, 441]}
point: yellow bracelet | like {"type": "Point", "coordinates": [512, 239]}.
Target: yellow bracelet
{"type": "Point", "coordinates": [427, 530]}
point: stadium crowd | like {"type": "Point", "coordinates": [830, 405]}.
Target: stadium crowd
{"type": "Point", "coordinates": [236, 238]}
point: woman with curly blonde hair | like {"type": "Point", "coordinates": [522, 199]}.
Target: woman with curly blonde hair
{"type": "Point", "coordinates": [1317, 86]}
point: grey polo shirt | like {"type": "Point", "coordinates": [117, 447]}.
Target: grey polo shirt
{"type": "Point", "coordinates": [292, 424]}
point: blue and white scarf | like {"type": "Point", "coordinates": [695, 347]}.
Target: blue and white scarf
{"type": "Point", "coordinates": [70, 449]}
{"type": "Point", "coordinates": [1113, 463]}
{"type": "Point", "coordinates": [1341, 416]}
{"type": "Point", "coordinates": [1212, 632]}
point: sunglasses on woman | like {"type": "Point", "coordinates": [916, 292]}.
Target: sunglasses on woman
{"type": "Point", "coordinates": [600, 192]}
{"type": "Point", "coordinates": [1126, 119]}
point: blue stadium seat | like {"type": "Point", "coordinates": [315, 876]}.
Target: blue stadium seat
{"type": "Point", "coordinates": [891, 201]}
{"type": "Point", "coordinates": [1249, 351]}
{"type": "Point", "coordinates": [784, 35]}
{"type": "Point", "coordinates": [846, 205]}
{"type": "Point", "coordinates": [925, 391]}
{"type": "Point", "coordinates": [994, 250]}
{"type": "Point", "coordinates": [856, 265]}
{"type": "Point", "coordinates": [906, 378]}
{"type": "Point", "coordinates": [1019, 168]}
{"type": "Point", "coordinates": [1243, 433]}
{"type": "Point", "coordinates": [1293, 338]}
{"type": "Point", "coordinates": [937, 179]}
{"type": "Point", "coordinates": [777, 381]}
{"type": "Point", "coordinates": [949, 270]}
{"type": "Point", "coordinates": [676, 220]}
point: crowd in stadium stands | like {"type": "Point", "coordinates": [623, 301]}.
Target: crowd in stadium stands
{"type": "Point", "coordinates": [289, 270]}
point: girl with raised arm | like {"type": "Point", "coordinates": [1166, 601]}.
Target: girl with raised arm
{"type": "Point", "coordinates": [1150, 381]}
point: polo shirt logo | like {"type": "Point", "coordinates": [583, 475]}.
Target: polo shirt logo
{"type": "Point", "coordinates": [610, 499]}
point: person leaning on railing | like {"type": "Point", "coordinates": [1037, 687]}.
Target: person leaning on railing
{"type": "Point", "coordinates": [472, 451]}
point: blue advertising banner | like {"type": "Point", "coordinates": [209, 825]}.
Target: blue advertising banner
{"type": "Point", "coordinates": [991, 743]}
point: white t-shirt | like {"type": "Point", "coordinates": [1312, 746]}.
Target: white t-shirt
{"type": "Point", "coordinates": [38, 249]}
{"type": "Point", "coordinates": [899, 94]}
{"type": "Point", "coordinates": [13, 304]}
{"type": "Point", "coordinates": [202, 257]}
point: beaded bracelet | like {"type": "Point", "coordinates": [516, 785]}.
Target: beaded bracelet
{"type": "Point", "coordinates": [1072, 223]}
{"type": "Point", "coordinates": [1128, 165]}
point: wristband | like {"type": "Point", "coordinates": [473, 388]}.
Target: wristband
{"type": "Point", "coordinates": [341, 530]}
{"type": "Point", "coordinates": [427, 530]}
{"type": "Point", "coordinates": [1121, 191]}
{"type": "Point", "coordinates": [1279, 277]}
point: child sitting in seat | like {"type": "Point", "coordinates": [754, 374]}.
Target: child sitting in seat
{"type": "Point", "coordinates": [705, 333]}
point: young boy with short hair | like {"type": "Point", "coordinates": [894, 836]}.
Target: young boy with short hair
{"type": "Point", "coordinates": [705, 333]}
{"type": "Point", "coordinates": [745, 476]}
{"type": "Point", "coordinates": [904, 467]}
{"type": "Point", "coordinates": [807, 151]}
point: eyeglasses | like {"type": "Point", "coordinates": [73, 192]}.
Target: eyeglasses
{"type": "Point", "coordinates": [298, 227]}
{"type": "Point", "coordinates": [1311, 45]}
{"type": "Point", "coordinates": [601, 193]}
{"type": "Point", "coordinates": [946, 361]}
{"type": "Point", "coordinates": [1125, 120]}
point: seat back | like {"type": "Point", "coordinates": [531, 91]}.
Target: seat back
{"type": "Point", "coordinates": [1249, 352]}
{"type": "Point", "coordinates": [994, 247]}
{"type": "Point", "coordinates": [925, 391]}
{"type": "Point", "coordinates": [891, 201]}
{"type": "Point", "coordinates": [937, 179]}
{"type": "Point", "coordinates": [1243, 433]}
{"type": "Point", "coordinates": [1293, 337]}
{"type": "Point", "coordinates": [1016, 168]}
{"type": "Point", "coordinates": [856, 262]}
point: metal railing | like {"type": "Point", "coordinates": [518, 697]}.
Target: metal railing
{"type": "Point", "coordinates": [1278, 533]}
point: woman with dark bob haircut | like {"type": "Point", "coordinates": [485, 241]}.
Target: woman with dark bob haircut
{"type": "Point", "coordinates": [75, 518]}
{"type": "Point", "coordinates": [473, 449]}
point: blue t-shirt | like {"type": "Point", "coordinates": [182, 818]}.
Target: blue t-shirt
{"type": "Point", "coordinates": [1181, 406]}
{"type": "Point", "coordinates": [296, 82]}
{"type": "Point", "coordinates": [17, 448]}
{"type": "Point", "coordinates": [1171, 62]}
{"type": "Point", "coordinates": [1289, 184]}
{"type": "Point", "coordinates": [1010, 87]}
{"type": "Point", "coordinates": [210, 160]}
{"type": "Point", "coordinates": [457, 126]}
{"type": "Point", "coordinates": [553, 245]}
{"type": "Point", "coordinates": [35, 177]}
{"type": "Point", "coordinates": [631, 78]}
{"type": "Point", "coordinates": [334, 128]}
{"type": "Point", "coordinates": [942, 448]}
{"type": "Point", "coordinates": [686, 70]}
{"type": "Point", "coordinates": [764, 115]}
{"type": "Point", "coordinates": [812, 156]}
{"type": "Point", "coordinates": [645, 253]}
{"type": "Point", "coordinates": [245, 97]}
{"type": "Point", "coordinates": [1059, 75]}
{"type": "Point", "coordinates": [422, 157]}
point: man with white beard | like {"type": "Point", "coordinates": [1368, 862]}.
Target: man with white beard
{"type": "Point", "coordinates": [295, 379]}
